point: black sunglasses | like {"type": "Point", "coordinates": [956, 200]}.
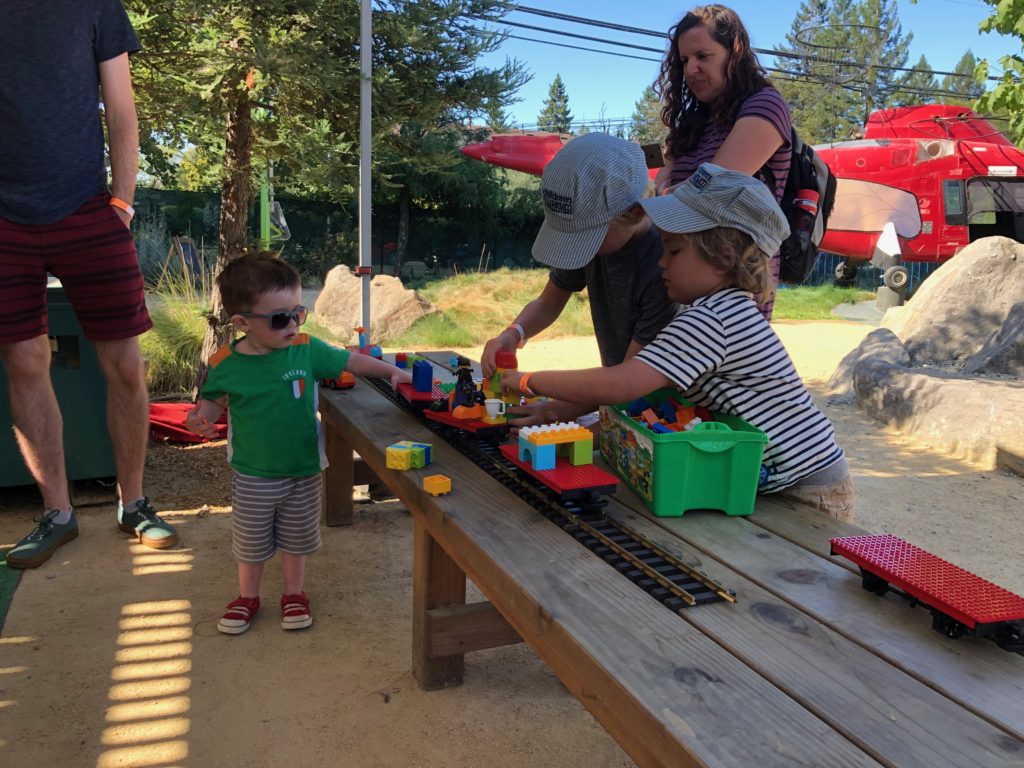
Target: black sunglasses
{"type": "Point", "coordinates": [281, 320]}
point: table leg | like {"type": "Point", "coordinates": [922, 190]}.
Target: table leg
{"type": "Point", "coordinates": [338, 478]}
{"type": "Point", "coordinates": [437, 581]}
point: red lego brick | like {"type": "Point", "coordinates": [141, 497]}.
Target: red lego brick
{"type": "Point", "coordinates": [565, 477]}
{"type": "Point", "coordinates": [409, 393]}
{"type": "Point", "coordinates": [958, 593]}
{"type": "Point", "coordinates": [470, 425]}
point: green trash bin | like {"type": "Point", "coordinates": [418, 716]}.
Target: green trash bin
{"type": "Point", "coordinates": [81, 393]}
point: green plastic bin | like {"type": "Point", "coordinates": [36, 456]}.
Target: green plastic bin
{"type": "Point", "coordinates": [81, 393]}
{"type": "Point", "coordinates": [714, 466]}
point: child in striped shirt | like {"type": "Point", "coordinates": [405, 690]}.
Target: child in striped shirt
{"type": "Point", "coordinates": [718, 229]}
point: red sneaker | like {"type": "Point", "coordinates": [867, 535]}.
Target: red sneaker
{"type": "Point", "coordinates": [295, 611]}
{"type": "Point", "coordinates": [239, 615]}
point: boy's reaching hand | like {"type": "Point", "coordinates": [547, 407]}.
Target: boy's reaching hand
{"type": "Point", "coordinates": [400, 376]}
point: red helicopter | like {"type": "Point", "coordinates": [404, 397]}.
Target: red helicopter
{"type": "Point", "coordinates": [923, 183]}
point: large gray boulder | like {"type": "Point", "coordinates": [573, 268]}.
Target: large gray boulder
{"type": "Point", "coordinates": [393, 307]}
{"type": "Point", "coordinates": [947, 367]}
{"type": "Point", "coordinates": [962, 305]}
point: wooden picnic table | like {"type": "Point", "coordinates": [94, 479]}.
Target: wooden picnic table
{"type": "Point", "coordinates": [806, 669]}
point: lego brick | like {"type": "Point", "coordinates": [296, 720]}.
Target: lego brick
{"type": "Point", "coordinates": [398, 457]}
{"type": "Point", "coordinates": [960, 594]}
{"type": "Point", "coordinates": [435, 485]}
{"type": "Point", "coordinates": [420, 452]}
{"type": "Point", "coordinates": [422, 376]}
{"type": "Point", "coordinates": [556, 433]}
{"type": "Point", "coordinates": [565, 479]}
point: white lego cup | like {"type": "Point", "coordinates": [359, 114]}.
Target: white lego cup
{"type": "Point", "coordinates": [495, 408]}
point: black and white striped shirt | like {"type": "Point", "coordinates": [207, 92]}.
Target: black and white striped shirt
{"type": "Point", "coordinates": [723, 355]}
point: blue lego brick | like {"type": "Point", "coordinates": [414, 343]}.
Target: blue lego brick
{"type": "Point", "coordinates": [422, 376]}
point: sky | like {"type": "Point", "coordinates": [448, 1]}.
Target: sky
{"type": "Point", "coordinates": [943, 30]}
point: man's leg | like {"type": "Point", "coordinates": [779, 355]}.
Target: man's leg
{"type": "Point", "coordinates": [36, 415]}
{"type": "Point", "coordinates": [127, 411]}
{"type": "Point", "coordinates": [40, 432]}
{"type": "Point", "coordinates": [128, 422]}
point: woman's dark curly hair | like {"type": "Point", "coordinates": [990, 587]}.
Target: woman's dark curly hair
{"type": "Point", "coordinates": [685, 116]}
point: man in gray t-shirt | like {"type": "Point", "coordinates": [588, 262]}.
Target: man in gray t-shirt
{"type": "Point", "coordinates": [594, 236]}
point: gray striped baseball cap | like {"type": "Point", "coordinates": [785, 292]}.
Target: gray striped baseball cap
{"type": "Point", "coordinates": [716, 197]}
{"type": "Point", "coordinates": [590, 181]}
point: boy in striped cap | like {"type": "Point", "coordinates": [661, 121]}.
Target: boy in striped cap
{"type": "Point", "coordinates": [595, 236]}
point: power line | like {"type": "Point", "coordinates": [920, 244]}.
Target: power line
{"type": "Point", "coordinates": [789, 74]}
{"type": "Point", "coordinates": [652, 33]}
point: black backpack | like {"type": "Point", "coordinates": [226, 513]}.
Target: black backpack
{"type": "Point", "coordinates": [799, 251]}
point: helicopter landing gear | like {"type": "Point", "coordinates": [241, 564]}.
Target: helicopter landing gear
{"type": "Point", "coordinates": [893, 291]}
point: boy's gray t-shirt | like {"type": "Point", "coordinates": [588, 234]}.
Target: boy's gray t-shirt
{"type": "Point", "coordinates": [51, 138]}
{"type": "Point", "coordinates": [627, 295]}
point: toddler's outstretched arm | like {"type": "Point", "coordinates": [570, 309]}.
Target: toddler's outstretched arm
{"type": "Point", "coordinates": [364, 365]}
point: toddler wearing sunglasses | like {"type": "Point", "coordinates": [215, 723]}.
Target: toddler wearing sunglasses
{"type": "Point", "coordinates": [267, 381]}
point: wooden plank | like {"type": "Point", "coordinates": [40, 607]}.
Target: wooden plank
{"type": "Point", "coordinates": [465, 628]}
{"type": "Point", "coordinates": [437, 581]}
{"type": "Point", "coordinates": [888, 713]}
{"type": "Point", "coordinates": [339, 478]}
{"type": "Point", "coordinates": [668, 694]}
{"type": "Point", "coordinates": [977, 674]}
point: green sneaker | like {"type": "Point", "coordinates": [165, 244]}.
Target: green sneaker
{"type": "Point", "coordinates": [36, 548]}
{"type": "Point", "coordinates": [144, 522]}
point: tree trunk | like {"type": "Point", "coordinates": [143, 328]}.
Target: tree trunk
{"type": "Point", "coordinates": [404, 202]}
{"type": "Point", "coordinates": [235, 196]}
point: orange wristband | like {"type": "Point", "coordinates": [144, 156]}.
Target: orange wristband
{"type": "Point", "coordinates": [524, 385]}
{"type": "Point", "coordinates": [126, 207]}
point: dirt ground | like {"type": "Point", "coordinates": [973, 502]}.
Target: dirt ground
{"type": "Point", "coordinates": [110, 654]}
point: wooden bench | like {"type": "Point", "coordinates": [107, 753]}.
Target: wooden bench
{"type": "Point", "coordinates": [805, 669]}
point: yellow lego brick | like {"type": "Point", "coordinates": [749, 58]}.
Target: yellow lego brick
{"type": "Point", "coordinates": [435, 485]}
{"type": "Point", "coordinates": [399, 457]}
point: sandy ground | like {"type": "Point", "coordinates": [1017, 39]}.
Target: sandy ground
{"type": "Point", "coordinates": [110, 655]}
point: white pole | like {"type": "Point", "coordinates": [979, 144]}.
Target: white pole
{"type": "Point", "coordinates": [365, 149]}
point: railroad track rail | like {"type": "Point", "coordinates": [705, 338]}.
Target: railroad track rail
{"type": "Point", "coordinates": [652, 568]}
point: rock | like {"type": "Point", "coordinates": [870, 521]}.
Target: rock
{"type": "Point", "coordinates": [1004, 351]}
{"type": "Point", "coordinates": [920, 371]}
{"type": "Point", "coordinates": [393, 307]}
{"type": "Point", "coordinates": [881, 345]}
{"type": "Point", "coordinates": [978, 419]}
{"type": "Point", "coordinates": [963, 304]}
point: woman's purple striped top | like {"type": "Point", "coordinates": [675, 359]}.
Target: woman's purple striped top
{"type": "Point", "coordinates": [766, 104]}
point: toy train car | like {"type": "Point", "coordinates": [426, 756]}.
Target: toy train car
{"type": "Point", "coordinates": [961, 603]}
{"type": "Point", "coordinates": [462, 407]}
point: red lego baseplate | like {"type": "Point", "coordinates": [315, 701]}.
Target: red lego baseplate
{"type": "Point", "coordinates": [409, 393]}
{"type": "Point", "coordinates": [958, 593]}
{"type": "Point", "coordinates": [565, 477]}
{"type": "Point", "coordinates": [470, 425]}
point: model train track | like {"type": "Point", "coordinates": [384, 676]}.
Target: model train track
{"type": "Point", "coordinates": [652, 568]}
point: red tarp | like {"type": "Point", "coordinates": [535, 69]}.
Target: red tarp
{"type": "Point", "coordinates": [167, 424]}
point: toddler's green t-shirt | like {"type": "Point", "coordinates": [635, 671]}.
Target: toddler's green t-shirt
{"type": "Point", "coordinates": [273, 426]}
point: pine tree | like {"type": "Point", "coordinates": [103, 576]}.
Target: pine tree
{"type": "Point", "coordinates": [834, 51]}
{"type": "Point", "coordinates": [962, 88]}
{"type": "Point", "coordinates": [917, 87]}
{"type": "Point", "coordinates": [645, 125]}
{"type": "Point", "coordinates": [555, 116]}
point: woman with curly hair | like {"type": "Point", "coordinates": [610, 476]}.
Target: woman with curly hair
{"type": "Point", "coordinates": [719, 107]}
